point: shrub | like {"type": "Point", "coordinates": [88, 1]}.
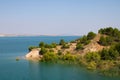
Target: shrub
{"type": "Point", "coordinates": [64, 46]}
{"type": "Point", "coordinates": [79, 46]}
{"type": "Point", "coordinates": [43, 51]}
{"type": "Point", "coordinates": [50, 56]}
{"type": "Point", "coordinates": [41, 44]}
{"type": "Point", "coordinates": [109, 54]}
{"type": "Point", "coordinates": [59, 52]}
{"type": "Point", "coordinates": [92, 56]}
{"type": "Point", "coordinates": [68, 57]}
{"type": "Point", "coordinates": [62, 42]}
{"type": "Point", "coordinates": [92, 65]}
{"type": "Point", "coordinates": [106, 31]}
{"type": "Point", "coordinates": [91, 35]}
{"type": "Point", "coordinates": [84, 40]}
{"type": "Point", "coordinates": [106, 41]}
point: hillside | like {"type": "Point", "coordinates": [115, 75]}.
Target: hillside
{"type": "Point", "coordinates": [93, 46]}
{"type": "Point", "coordinates": [94, 51]}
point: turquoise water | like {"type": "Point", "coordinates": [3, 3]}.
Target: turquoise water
{"type": "Point", "coordinates": [10, 69]}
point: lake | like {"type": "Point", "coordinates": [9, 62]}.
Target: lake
{"type": "Point", "coordinates": [10, 69]}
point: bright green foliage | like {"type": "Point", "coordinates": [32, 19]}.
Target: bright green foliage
{"type": "Point", "coordinates": [43, 51]}
{"type": "Point", "coordinates": [68, 57]}
{"type": "Point", "coordinates": [32, 47]}
{"type": "Point", "coordinates": [92, 56]}
{"type": "Point", "coordinates": [79, 46]}
{"type": "Point", "coordinates": [50, 57]}
{"type": "Point", "coordinates": [92, 65]}
{"type": "Point", "coordinates": [91, 35]}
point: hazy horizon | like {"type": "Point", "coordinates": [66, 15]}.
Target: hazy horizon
{"type": "Point", "coordinates": [57, 17]}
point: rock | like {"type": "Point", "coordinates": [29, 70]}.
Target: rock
{"type": "Point", "coordinates": [34, 54]}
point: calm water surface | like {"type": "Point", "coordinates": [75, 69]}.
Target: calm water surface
{"type": "Point", "coordinates": [10, 69]}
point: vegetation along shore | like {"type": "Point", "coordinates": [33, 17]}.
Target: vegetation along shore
{"type": "Point", "coordinates": [98, 52]}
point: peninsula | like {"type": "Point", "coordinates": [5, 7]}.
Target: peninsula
{"type": "Point", "coordinates": [99, 51]}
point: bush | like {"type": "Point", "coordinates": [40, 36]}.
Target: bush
{"type": "Point", "coordinates": [106, 41]}
{"type": "Point", "coordinates": [59, 52]}
{"type": "Point", "coordinates": [113, 32]}
{"type": "Point", "coordinates": [92, 56]}
{"type": "Point", "coordinates": [65, 46]}
{"type": "Point", "coordinates": [50, 57]}
{"type": "Point", "coordinates": [69, 57]}
{"type": "Point", "coordinates": [41, 44]}
{"type": "Point", "coordinates": [91, 35]}
{"type": "Point", "coordinates": [43, 51]}
{"type": "Point", "coordinates": [106, 31]}
{"type": "Point", "coordinates": [92, 65]}
{"type": "Point", "coordinates": [104, 54]}
{"type": "Point", "coordinates": [79, 46]}
{"type": "Point", "coordinates": [117, 47]}
{"type": "Point", "coordinates": [84, 40]}
{"type": "Point", "coordinates": [62, 42]}
{"type": "Point", "coordinates": [109, 54]}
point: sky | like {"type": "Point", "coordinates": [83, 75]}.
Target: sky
{"type": "Point", "coordinates": [58, 17]}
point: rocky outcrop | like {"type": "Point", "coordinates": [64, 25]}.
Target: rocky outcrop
{"type": "Point", "coordinates": [93, 46]}
{"type": "Point", "coordinates": [33, 55]}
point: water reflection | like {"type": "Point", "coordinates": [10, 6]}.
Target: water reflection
{"type": "Point", "coordinates": [49, 71]}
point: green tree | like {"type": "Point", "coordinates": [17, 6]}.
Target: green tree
{"type": "Point", "coordinates": [106, 31]}
{"type": "Point", "coordinates": [102, 41]}
{"type": "Point", "coordinates": [69, 57]}
{"type": "Point", "coordinates": [62, 42]}
{"type": "Point", "coordinates": [104, 54]}
{"type": "Point", "coordinates": [92, 56]}
{"type": "Point", "coordinates": [106, 41]}
{"type": "Point", "coordinates": [41, 44]}
{"type": "Point", "coordinates": [65, 46]}
{"type": "Point", "coordinates": [79, 46]}
{"type": "Point", "coordinates": [91, 35]}
{"type": "Point", "coordinates": [43, 51]}
{"type": "Point", "coordinates": [59, 52]}
{"type": "Point", "coordinates": [50, 56]}
{"type": "Point", "coordinates": [117, 47]}
{"type": "Point", "coordinates": [84, 40]}
{"type": "Point", "coordinates": [113, 54]}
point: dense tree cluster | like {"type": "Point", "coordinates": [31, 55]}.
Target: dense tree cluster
{"type": "Point", "coordinates": [84, 40]}
{"type": "Point", "coordinates": [112, 32]}
{"type": "Point", "coordinates": [106, 41]}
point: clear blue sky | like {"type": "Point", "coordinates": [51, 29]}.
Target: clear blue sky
{"type": "Point", "coordinates": [58, 16]}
